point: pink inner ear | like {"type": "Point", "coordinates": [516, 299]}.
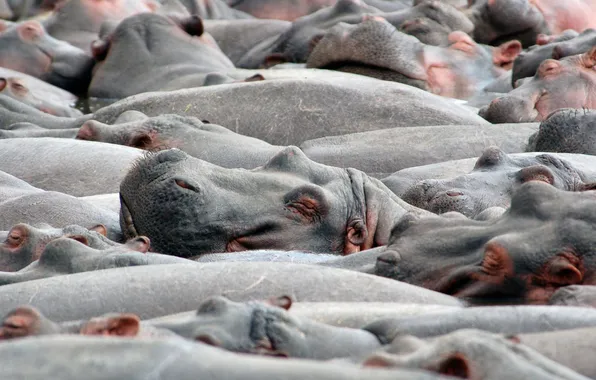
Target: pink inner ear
{"type": "Point", "coordinates": [86, 132]}
{"type": "Point", "coordinates": [3, 83]}
{"type": "Point", "coordinates": [30, 31]}
{"type": "Point", "coordinates": [549, 67]}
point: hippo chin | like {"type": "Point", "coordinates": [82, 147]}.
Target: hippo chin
{"type": "Point", "coordinates": [189, 207]}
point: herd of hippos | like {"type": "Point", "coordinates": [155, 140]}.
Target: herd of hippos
{"type": "Point", "coordinates": [297, 189]}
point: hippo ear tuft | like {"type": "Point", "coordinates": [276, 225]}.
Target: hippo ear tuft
{"type": "Point", "coordinates": [192, 25]}
{"type": "Point", "coordinates": [139, 244]}
{"type": "Point", "coordinates": [141, 140]}
{"type": "Point", "coordinates": [119, 325]}
{"type": "Point", "coordinates": [564, 269]}
{"type": "Point", "coordinates": [100, 229]}
{"type": "Point", "coordinates": [285, 302]}
{"type": "Point", "coordinates": [455, 365]}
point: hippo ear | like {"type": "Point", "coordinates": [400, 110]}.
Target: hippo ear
{"type": "Point", "coordinates": [590, 58]}
{"type": "Point", "coordinates": [536, 173]}
{"type": "Point", "coordinates": [80, 238]}
{"type": "Point", "coordinates": [356, 235]}
{"type": "Point", "coordinates": [120, 325]}
{"type": "Point", "coordinates": [274, 59]}
{"type": "Point", "coordinates": [308, 203]}
{"type": "Point", "coordinates": [461, 41]}
{"type": "Point", "coordinates": [455, 365]}
{"type": "Point", "coordinates": [19, 323]}
{"type": "Point", "coordinates": [100, 48]}
{"type": "Point", "coordinates": [285, 302]}
{"type": "Point", "coordinates": [16, 236]}
{"type": "Point", "coordinates": [497, 261]}
{"type": "Point", "coordinates": [378, 361]}
{"type": "Point", "coordinates": [152, 5]}
{"type": "Point", "coordinates": [100, 229]}
{"type": "Point", "coordinates": [141, 140]}
{"type": "Point", "coordinates": [88, 131]}
{"type": "Point", "coordinates": [193, 25]}
{"type": "Point", "coordinates": [564, 269]}
{"type": "Point", "coordinates": [506, 53]}
{"type": "Point", "coordinates": [549, 68]}
{"type": "Point", "coordinates": [139, 244]}
{"type": "Point", "coordinates": [208, 339]}
{"type": "Point", "coordinates": [315, 41]}
{"type": "Point", "coordinates": [254, 78]}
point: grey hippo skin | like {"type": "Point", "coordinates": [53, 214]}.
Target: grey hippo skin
{"type": "Point", "coordinates": [189, 207]}
{"type": "Point", "coordinates": [26, 47]}
{"type": "Point", "coordinates": [494, 178]}
{"type": "Point", "coordinates": [471, 354]}
{"type": "Point", "coordinates": [575, 295]}
{"type": "Point", "coordinates": [93, 168]}
{"type": "Point", "coordinates": [496, 319]}
{"type": "Point", "coordinates": [302, 107]}
{"type": "Point", "coordinates": [152, 67]}
{"type": "Point", "coordinates": [380, 153]}
{"type": "Point", "coordinates": [566, 131]}
{"type": "Point", "coordinates": [66, 357]}
{"type": "Point", "coordinates": [13, 111]}
{"type": "Point", "coordinates": [38, 94]}
{"type": "Point", "coordinates": [135, 290]}
{"type": "Point", "coordinates": [542, 243]}
{"type": "Point", "coordinates": [556, 84]}
{"type": "Point", "coordinates": [375, 48]}
{"type": "Point", "coordinates": [209, 142]}
{"type": "Point", "coordinates": [24, 244]}
{"type": "Point", "coordinates": [269, 329]}
{"type": "Point", "coordinates": [72, 255]}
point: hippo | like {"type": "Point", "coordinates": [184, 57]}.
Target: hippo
{"type": "Point", "coordinates": [279, 10]}
{"type": "Point", "coordinates": [133, 359]}
{"type": "Point", "coordinates": [350, 210]}
{"type": "Point", "coordinates": [209, 142]}
{"type": "Point", "coordinates": [88, 294]}
{"type": "Point", "coordinates": [566, 131]}
{"type": "Point", "coordinates": [152, 37]}
{"type": "Point", "coordinates": [491, 183]}
{"type": "Point", "coordinates": [469, 354]}
{"type": "Point", "coordinates": [214, 10]}
{"type": "Point", "coordinates": [498, 21]}
{"type": "Point", "coordinates": [28, 48]}
{"type": "Point", "coordinates": [528, 61]}
{"type": "Point", "coordinates": [24, 243]}
{"type": "Point", "coordinates": [78, 22]}
{"type": "Point", "coordinates": [29, 130]}
{"type": "Point", "coordinates": [375, 48]}
{"type": "Point", "coordinates": [72, 254]}
{"type": "Point", "coordinates": [38, 94]}
{"type": "Point", "coordinates": [543, 93]}
{"type": "Point", "coordinates": [269, 329]}
{"type": "Point", "coordinates": [13, 111]}
{"type": "Point", "coordinates": [302, 107]}
{"type": "Point", "coordinates": [489, 260]}
{"type": "Point", "coordinates": [91, 171]}
{"type": "Point", "coordinates": [574, 295]}
{"type": "Point", "coordinates": [380, 153]}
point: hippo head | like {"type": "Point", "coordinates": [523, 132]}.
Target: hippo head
{"type": "Point", "coordinates": [263, 328]}
{"type": "Point", "coordinates": [492, 181]}
{"type": "Point", "coordinates": [568, 83]}
{"type": "Point", "coordinates": [541, 243]}
{"type": "Point", "coordinates": [26, 47]}
{"type": "Point", "coordinates": [375, 48]}
{"type": "Point", "coordinates": [567, 131]}
{"type": "Point", "coordinates": [496, 21]}
{"type": "Point", "coordinates": [189, 207]}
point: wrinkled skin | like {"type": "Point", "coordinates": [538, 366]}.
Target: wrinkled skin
{"type": "Point", "coordinates": [575, 295]}
{"type": "Point", "coordinates": [496, 21]}
{"type": "Point", "coordinates": [209, 142]}
{"type": "Point", "coordinates": [490, 260]}
{"type": "Point", "coordinates": [70, 255]}
{"type": "Point", "coordinates": [26, 47]}
{"type": "Point", "coordinates": [78, 22]}
{"type": "Point", "coordinates": [491, 183]}
{"type": "Point", "coordinates": [375, 48]}
{"type": "Point", "coordinates": [568, 83]}
{"type": "Point", "coordinates": [528, 61]}
{"type": "Point", "coordinates": [471, 354]}
{"type": "Point", "coordinates": [258, 328]}
{"type": "Point", "coordinates": [13, 112]}
{"type": "Point", "coordinates": [566, 131]}
{"type": "Point", "coordinates": [279, 10]}
{"type": "Point", "coordinates": [188, 207]}
{"type": "Point", "coordinates": [152, 66]}
{"type": "Point", "coordinates": [37, 94]}
{"type": "Point", "coordinates": [24, 244]}
{"type": "Point", "coordinates": [430, 22]}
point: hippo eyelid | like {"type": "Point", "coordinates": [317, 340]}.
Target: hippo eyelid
{"type": "Point", "coordinates": [186, 185]}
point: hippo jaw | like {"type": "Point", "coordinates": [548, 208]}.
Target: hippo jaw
{"type": "Point", "coordinates": [126, 222]}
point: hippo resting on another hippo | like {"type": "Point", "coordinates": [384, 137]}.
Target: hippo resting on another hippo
{"type": "Point", "coordinates": [494, 178]}
{"type": "Point", "coordinates": [375, 48]}
{"type": "Point", "coordinates": [568, 83]}
{"type": "Point", "coordinates": [490, 260]}
{"type": "Point", "coordinates": [566, 131]}
{"type": "Point", "coordinates": [189, 207]}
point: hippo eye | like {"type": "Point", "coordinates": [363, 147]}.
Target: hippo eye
{"type": "Point", "coordinates": [185, 185]}
{"type": "Point", "coordinates": [14, 239]}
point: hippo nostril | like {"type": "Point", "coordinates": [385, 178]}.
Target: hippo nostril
{"type": "Point", "coordinates": [170, 155]}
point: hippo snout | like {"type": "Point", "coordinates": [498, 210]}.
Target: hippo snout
{"type": "Point", "coordinates": [170, 155]}
{"type": "Point", "coordinates": [509, 109]}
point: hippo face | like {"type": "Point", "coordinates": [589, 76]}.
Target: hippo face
{"type": "Point", "coordinates": [377, 49]}
{"type": "Point", "coordinates": [189, 207]}
{"type": "Point", "coordinates": [26, 47]}
{"type": "Point", "coordinates": [543, 242]}
{"type": "Point", "coordinates": [568, 83]}
{"type": "Point", "coordinates": [567, 131]}
{"type": "Point", "coordinates": [492, 181]}
{"type": "Point", "coordinates": [497, 21]}
{"type": "Point", "coordinates": [251, 327]}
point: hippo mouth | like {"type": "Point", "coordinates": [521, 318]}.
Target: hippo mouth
{"type": "Point", "coordinates": [260, 333]}
{"type": "Point", "coordinates": [127, 223]}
